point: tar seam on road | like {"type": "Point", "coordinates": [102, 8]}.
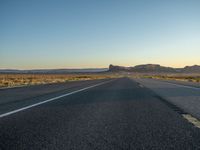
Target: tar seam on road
{"type": "Point", "coordinates": [188, 117]}
{"type": "Point", "coordinates": [2, 88]}
{"type": "Point", "coordinates": [196, 88]}
{"type": "Point", "coordinates": [52, 99]}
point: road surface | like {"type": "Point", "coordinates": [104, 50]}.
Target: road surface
{"type": "Point", "coordinates": [182, 94]}
{"type": "Point", "coordinates": [116, 114]}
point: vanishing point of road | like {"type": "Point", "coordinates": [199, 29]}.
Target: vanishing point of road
{"type": "Point", "coordinates": [115, 114]}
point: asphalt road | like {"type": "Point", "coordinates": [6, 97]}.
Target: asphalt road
{"type": "Point", "coordinates": [119, 114]}
{"type": "Point", "coordinates": [15, 98]}
{"type": "Point", "coordinates": [185, 95]}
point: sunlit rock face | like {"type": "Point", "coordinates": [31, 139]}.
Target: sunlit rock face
{"type": "Point", "coordinates": [194, 69]}
{"type": "Point", "coordinates": [156, 68]}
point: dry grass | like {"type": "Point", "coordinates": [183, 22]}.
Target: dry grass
{"type": "Point", "coordinates": [11, 80]}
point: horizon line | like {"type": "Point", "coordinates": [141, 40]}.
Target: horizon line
{"type": "Point", "coordinates": [77, 68]}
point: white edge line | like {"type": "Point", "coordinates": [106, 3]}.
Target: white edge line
{"type": "Point", "coordinates": [192, 120]}
{"type": "Point", "coordinates": [51, 99]}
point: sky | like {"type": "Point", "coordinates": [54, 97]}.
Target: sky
{"type": "Point", "coordinates": [36, 34]}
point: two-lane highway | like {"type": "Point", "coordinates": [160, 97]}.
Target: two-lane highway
{"type": "Point", "coordinates": [119, 114]}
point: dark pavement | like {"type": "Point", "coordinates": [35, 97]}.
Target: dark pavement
{"type": "Point", "coordinates": [117, 115]}
{"type": "Point", "coordinates": [15, 98]}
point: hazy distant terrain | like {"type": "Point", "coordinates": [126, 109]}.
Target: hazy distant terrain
{"type": "Point", "coordinates": [54, 71]}
{"type": "Point", "coordinates": [146, 68]}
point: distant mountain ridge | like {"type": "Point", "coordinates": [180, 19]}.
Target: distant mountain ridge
{"type": "Point", "coordinates": [195, 68]}
{"type": "Point", "coordinates": [155, 68]}
{"type": "Point", "coordinates": [56, 71]}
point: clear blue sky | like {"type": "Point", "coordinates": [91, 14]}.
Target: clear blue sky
{"type": "Point", "coordinates": [96, 33]}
